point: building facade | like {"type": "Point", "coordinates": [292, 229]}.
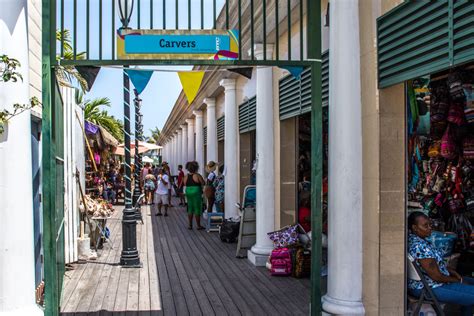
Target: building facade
{"type": "Point", "coordinates": [265, 126]}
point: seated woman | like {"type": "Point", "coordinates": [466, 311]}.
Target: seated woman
{"type": "Point", "coordinates": [447, 284]}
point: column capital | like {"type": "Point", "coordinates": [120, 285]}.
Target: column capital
{"type": "Point", "coordinates": [198, 113]}
{"type": "Point", "coordinates": [228, 84]}
{"type": "Point", "coordinates": [183, 126]}
{"type": "Point", "coordinates": [210, 102]}
{"type": "Point", "coordinates": [258, 51]}
{"type": "Point", "coordinates": [190, 121]}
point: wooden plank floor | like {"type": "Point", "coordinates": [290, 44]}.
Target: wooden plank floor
{"type": "Point", "coordinates": [184, 273]}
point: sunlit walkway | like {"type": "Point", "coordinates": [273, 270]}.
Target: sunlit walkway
{"type": "Point", "coordinates": [184, 272]}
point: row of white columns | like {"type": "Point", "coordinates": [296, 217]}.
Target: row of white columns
{"type": "Point", "coordinates": [344, 295]}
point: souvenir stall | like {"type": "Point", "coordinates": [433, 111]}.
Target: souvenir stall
{"type": "Point", "coordinates": [97, 199]}
{"type": "Point", "coordinates": [440, 166]}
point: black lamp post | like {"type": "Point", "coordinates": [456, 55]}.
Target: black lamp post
{"type": "Point", "coordinates": [138, 157]}
{"type": "Point", "coordinates": [129, 256]}
{"type": "Point", "coordinates": [125, 10]}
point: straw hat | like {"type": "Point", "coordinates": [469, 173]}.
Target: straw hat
{"type": "Point", "coordinates": [211, 166]}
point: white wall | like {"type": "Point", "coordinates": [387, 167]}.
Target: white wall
{"type": "Point", "coordinates": [73, 160]}
{"type": "Point", "coordinates": [34, 51]}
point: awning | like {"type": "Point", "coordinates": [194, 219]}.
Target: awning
{"type": "Point", "coordinates": [108, 138]}
{"type": "Point", "coordinates": [143, 147]}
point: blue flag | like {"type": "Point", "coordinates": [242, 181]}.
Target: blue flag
{"type": "Point", "coordinates": [295, 71]}
{"type": "Point", "coordinates": [139, 78]}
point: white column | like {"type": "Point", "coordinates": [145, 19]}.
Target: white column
{"type": "Point", "coordinates": [199, 141]}
{"type": "Point", "coordinates": [17, 260]}
{"type": "Point", "coordinates": [180, 149]}
{"type": "Point", "coordinates": [211, 129]}
{"type": "Point", "coordinates": [231, 153]}
{"type": "Point", "coordinates": [184, 150]}
{"type": "Point", "coordinates": [344, 294]}
{"type": "Point", "coordinates": [265, 161]}
{"type": "Point", "coordinates": [175, 154]}
{"type": "Point", "coordinates": [191, 144]}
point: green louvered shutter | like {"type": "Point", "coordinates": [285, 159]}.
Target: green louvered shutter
{"type": "Point", "coordinates": [325, 77]}
{"type": "Point", "coordinates": [248, 115]}
{"type": "Point", "coordinates": [463, 32]}
{"type": "Point", "coordinates": [204, 133]}
{"type": "Point", "coordinates": [295, 95]}
{"type": "Point", "coordinates": [221, 128]}
{"type": "Point", "coordinates": [422, 37]}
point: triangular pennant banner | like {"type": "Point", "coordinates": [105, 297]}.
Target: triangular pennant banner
{"type": "Point", "coordinates": [246, 72]}
{"type": "Point", "coordinates": [139, 78]}
{"type": "Point", "coordinates": [191, 82]}
{"type": "Point", "coordinates": [89, 73]}
{"type": "Point", "coordinates": [295, 71]}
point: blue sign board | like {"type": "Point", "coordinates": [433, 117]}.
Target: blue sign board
{"type": "Point", "coordinates": [176, 44]}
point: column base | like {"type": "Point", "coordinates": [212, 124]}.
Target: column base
{"type": "Point", "coordinates": [336, 306]}
{"type": "Point", "coordinates": [258, 256]}
{"type": "Point", "coordinates": [33, 310]}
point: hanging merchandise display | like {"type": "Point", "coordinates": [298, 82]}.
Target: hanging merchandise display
{"type": "Point", "coordinates": [440, 128]}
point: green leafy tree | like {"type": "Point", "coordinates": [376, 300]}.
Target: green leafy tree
{"type": "Point", "coordinates": [95, 115]}
{"type": "Point", "coordinates": [8, 72]}
{"type": "Point", "coordinates": [155, 135]}
{"type": "Point", "coordinates": [66, 75]}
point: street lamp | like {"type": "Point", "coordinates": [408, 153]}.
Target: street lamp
{"type": "Point", "coordinates": [129, 256]}
{"type": "Point", "coordinates": [138, 157]}
{"type": "Point", "coordinates": [125, 10]}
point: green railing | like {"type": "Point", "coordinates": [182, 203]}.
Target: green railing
{"type": "Point", "coordinates": [93, 26]}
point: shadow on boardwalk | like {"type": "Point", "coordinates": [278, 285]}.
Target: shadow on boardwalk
{"type": "Point", "coordinates": [184, 273]}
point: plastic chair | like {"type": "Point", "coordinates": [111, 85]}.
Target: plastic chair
{"type": "Point", "coordinates": [214, 220]}
{"type": "Point", "coordinates": [427, 296]}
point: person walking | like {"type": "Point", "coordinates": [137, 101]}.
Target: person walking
{"type": "Point", "coordinates": [161, 193]}
{"type": "Point", "coordinates": [194, 183]}
{"type": "Point", "coordinates": [209, 190]}
{"type": "Point", "coordinates": [219, 188]}
{"type": "Point", "coordinates": [167, 170]}
{"type": "Point", "coordinates": [180, 186]}
{"type": "Point", "coordinates": [149, 187]}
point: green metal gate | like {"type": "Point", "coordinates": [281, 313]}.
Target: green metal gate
{"type": "Point", "coordinates": [245, 14]}
{"type": "Point", "coordinates": [53, 197]}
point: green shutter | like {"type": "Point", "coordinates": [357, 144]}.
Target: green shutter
{"type": "Point", "coordinates": [325, 77]}
{"type": "Point", "coordinates": [422, 37]}
{"type": "Point", "coordinates": [463, 32]}
{"type": "Point", "coordinates": [221, 128]}
{"type": "Point", "coordinates": [204, 133]}
{"type": "Point", "coordinates": [248, 115]}
{"type": "Point", "coordinates": [295, 95]}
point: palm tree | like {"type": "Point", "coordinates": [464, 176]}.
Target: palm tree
{"type": "Point", "coordinates": [67, 74]}
{"type": "Point", "coordinates": [155, 135]}
{"type": "Point", "coordinates": [93, 114]}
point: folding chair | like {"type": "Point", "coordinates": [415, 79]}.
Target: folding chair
{"type": "Point", "coordinates": [427, 296]}
{"type": "Point", "coordinates": [247, 231]}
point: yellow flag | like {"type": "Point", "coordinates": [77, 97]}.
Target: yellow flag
{"type": "Point", "coordinates": [191, 82]}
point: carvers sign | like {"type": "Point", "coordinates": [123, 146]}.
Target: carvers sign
{"type": "Point", "coordinates": [177, 44]}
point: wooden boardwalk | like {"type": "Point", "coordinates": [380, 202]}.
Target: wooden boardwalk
{"type": "Point", "coordinates": [184, 273]}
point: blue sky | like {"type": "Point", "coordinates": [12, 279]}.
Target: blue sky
{"type": "Point", "coordinates": [164, 87]}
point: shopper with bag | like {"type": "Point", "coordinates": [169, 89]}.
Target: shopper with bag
{"type": "Point", "coordinates": [161, 194]}
{"type": "Point", "coordinates": [180, 186]}
{"type": "Point", "coordinates": [219, 190]}
{"type": "Point", "coordinates": [194, 183]}
{"type": "Point", "coordinates": [209, 190]}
